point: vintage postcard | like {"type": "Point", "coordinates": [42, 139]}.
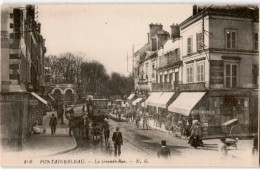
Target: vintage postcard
{"type": "Point", "coordinates": [129, 85]}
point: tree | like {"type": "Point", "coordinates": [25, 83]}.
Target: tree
{"type": "Point", "coordinates": [90, 76]}
{"type": "Point", "coordinates": [93, 75]}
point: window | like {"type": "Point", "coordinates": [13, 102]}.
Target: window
{"type": "Point", "coordinates": [231, 75]}
{"type": "Point", "coordinates": [200, 71]}
{"type": "Point", "coordinates": [165, 78]}
{"type": "Point", "coordinates": [11, 25]}
{"type": "Point", "coordinates": [256, 41]}
{"type": "Point", "coordinates": [170, 78]}
{"type": "Point", "coordinates": [231, 38]}
{"type": "Point", "coordinates": [11, 15]}
{"type": "Point", "coordinates": [190, 73]}
{"type": "Point", "coordinates": [199, 42]}
{"type": "Point", "coordinates": [161, 79]}
{"type": "Point", "coordinates": [189, 43]}
{"type": "Point", "coordinates": [146, 71]}
{"type": "Point", "coordinates": [255, 74]}
{"type": "Point", "coordinates": [153, 69]}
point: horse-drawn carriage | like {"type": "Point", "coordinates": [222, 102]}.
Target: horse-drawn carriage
{"type": "Point", "coordinates": [97, 112]}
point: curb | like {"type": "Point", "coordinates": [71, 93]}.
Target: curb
{"type": "Point", "coordinates": [65, 150]}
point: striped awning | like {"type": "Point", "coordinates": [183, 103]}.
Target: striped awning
{"type": "Point", "coordinates": [137, 100]}
{"type": "Point", "coordinates": [39, 98]}
{"type": "Point", "coordinates": [185, 102]}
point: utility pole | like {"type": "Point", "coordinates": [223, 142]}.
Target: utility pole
{"type": "Point", "coordinates": [133, 61]}
{"type": "Point", "coordinates": [127, 61]}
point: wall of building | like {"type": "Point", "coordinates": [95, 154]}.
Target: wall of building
{"type": "Point", "coordinates": [5, 22]}
{"type": "Point", "coordinates": [245, 73]}
{"type": "Point", "coordinates": [245, 30]}
{"type": "Point", "coordinates": [191, 31]}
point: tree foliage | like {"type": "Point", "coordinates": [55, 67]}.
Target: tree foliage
{"type": "Point", "coordinates": [90, 76]}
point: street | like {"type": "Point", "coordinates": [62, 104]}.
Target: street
{"type": "Point", "coordinates": [142, 144]}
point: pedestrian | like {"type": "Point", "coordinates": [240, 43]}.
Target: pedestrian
{"type": "Point", "coordinates": [87, 127]}
{"type": "Point", "coordinates": [255, 145]}
{"type": "Point", "coordinates": [133, 115]}
{"type": "Point", "coordinates": [156, 119]}
{"type": "Point", "coordinates": [81, 126]}
{"type": "Point", "coordinates": [164, 152]}
{"type": "Point", "coordinates": [119, 115]}
{"type": "Point", "coordinates": [223, 148]}
{"type": "Point", "coordinates": [138, 119]}
{"type": "Point", "coordinates": [71, 124]}
{"type": "Point", "coordinates": [106, 133]}
{"type": "Point", "coordinates": [195, 138]}
{"type": "Point", "coordinates": [53, 124]}
{"type": "Point", "coordinates": [160, 120]}
{"type": "Point", "coordinates": [145, 120]}
{"type": "Point", "coordinates": [118, 141]}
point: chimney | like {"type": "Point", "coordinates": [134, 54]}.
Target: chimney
{"type": "Point", "coordinates": [195, 10]}
{"type": "Point", "coordinates": [175, 31]}
{"type": "Point", "coordinates": [154, 28]}
{"type": "Point", "coordinates": [148, 36]}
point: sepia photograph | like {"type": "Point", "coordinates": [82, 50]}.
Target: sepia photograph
{"type": "Point", "coordinates": [129, 85]}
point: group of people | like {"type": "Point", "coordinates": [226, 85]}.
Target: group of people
{"type": "Point", "coordinates": [137, 116]}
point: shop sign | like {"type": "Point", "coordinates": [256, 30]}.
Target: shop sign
{"type": "Point", "coordinates": [194, 86]}
{"type": "Point", "coordinates": [203, 112]}
{"type": "Point", "coordinates": [33, 102]}
{"type": "Point", "coordinates": [11, 97]}
{"type": "Point", "coordinates": [217, 72]}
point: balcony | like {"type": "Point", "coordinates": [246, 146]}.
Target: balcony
{"type": "Point", "coordinates": [162, 86]}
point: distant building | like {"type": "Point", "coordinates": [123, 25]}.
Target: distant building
{"type": "Point", "coordinates": [146, 58]}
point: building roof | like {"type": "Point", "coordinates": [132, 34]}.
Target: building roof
{"type": "Point", "coordinates": [239, 11]}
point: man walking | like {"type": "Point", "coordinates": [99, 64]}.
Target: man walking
{"type": "Point", "coordinates": [52, 124]}
{"type": "Point", "coordinates": [118, 141]}
{"type": "Point", "coordinates": [164, 152]}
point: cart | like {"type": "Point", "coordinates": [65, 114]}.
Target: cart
{"type": "Point", "coordinates": [232, 128]}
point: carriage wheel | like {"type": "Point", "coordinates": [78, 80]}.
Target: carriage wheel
{"type": "Point", "coordinates": [236, 130]}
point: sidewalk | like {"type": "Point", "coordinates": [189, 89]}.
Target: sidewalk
{"type": "Point", "coordinates": [47, 144]}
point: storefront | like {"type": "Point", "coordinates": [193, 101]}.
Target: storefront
{"type": "Point", "coordinates": [224, 105]}
{"type": "Point", "coordinates": [163, 101]}
{"type": "Point", "coordinates": [14, 118]}
{"type": "Point", "coordinates": [137, 103]}
{"type": "Point", "coordinates": [215, 107]}
{"type": "Point", "coordinates": [37, 108]}
{"type": "Point", "coordinates": [183, 106]}
{"type": "Point", "coordinates": [130, 100]}
{"type": "Point", "coordinates": [151, 102]}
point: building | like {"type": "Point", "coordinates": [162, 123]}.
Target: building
{"type": "Point", "coordinates": [22, 73]}
{"type": "Point", "coordinates": [146, 58]}
{"type": "Point", "coordinates": [220, 61]}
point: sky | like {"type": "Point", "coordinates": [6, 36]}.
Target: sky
{"type": "Point", "coordinates": [106, 33]}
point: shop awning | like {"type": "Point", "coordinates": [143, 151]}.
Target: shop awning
{"type": "Point", "coordinates": [136, 101]}
{"type": "Point", "coordinates": [131, 96]}
{"type": "Point", "coordinates": [39, 98]}
{"type": "Point", "coordinates": [152, 99]}
{"type": "Point", "coordinates": [164, 99]}
{"type": "Point", "coordinates": [185, 102]}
